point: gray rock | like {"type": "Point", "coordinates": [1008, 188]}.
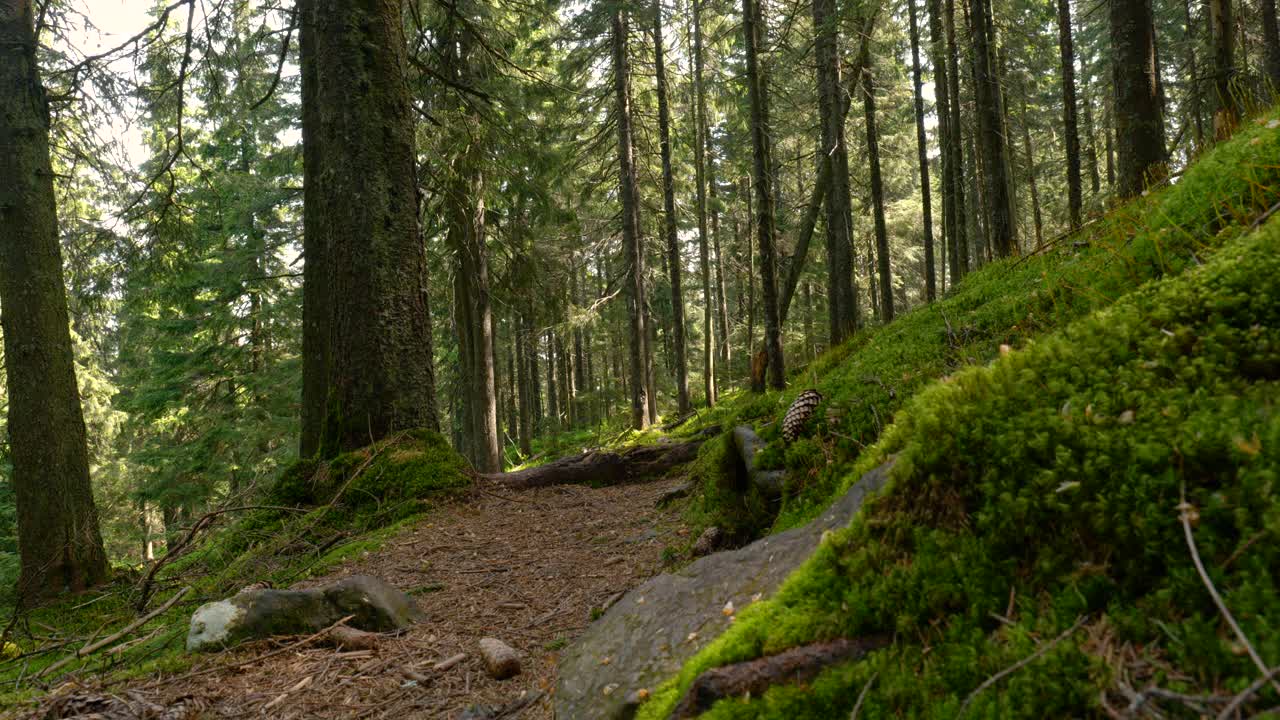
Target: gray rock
{"type": "Point", "coordinates": [645, 638]}
{"type": "Point", "coordinates": [263, 612]}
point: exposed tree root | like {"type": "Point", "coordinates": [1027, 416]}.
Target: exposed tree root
{"type": "Point", "coordinates": [796, 665]}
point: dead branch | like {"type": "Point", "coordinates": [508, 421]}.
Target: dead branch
{"type": "Point", "coordinates": [110, 639]}
{"type": "Point", "coordinates": [862, 696]}
{"type": "Point", "coordinates": [1043, 649]}
{"type": "Point", "coordinates": [251, 661]}
{"type": "Point", "coordinates": [1239, 700]}
{"type": "Point", "coordinates": [1184, 515]}
{"type": "Point", "coordinates": [601, 467]}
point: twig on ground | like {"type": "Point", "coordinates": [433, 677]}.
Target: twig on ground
{"type": "Point", "coordinates": [862, 696]}
{"type": "Point", "coordinates": [1239, 700]}
{"type": "Point", "coordinates": [1019, 665]}
{"type": "Point", "coordinates": [1184, 515]}
{"type": "Point", "coordinates": [251, 661]}
{"type": "Point", "coordinates": [98, 645]}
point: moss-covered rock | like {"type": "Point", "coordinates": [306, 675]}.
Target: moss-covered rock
{"type": "Point", "coordinates": [370, 603]}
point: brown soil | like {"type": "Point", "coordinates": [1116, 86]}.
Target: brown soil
{"type": "Point", "coordinates": [529, 568]}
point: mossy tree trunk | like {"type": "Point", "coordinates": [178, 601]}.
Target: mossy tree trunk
{"type": "Point", "coordinates": [367, 346]}
{"type": "Point", "coordinates": [59, 542]}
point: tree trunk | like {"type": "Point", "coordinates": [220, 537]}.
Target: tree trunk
{"type": "Point", "coordinates": [633, 256]}
{"type": "Point", "coordinates": [1031, 176]}
{"type": "Point", "coordinates": [942, 92]}
{"type": "Point", "coordinates": [473, 313]}
{"type": "Point", "coordinates": [701, 153]}
{"type": "Point", "coordinates": [674, 259]}
{"type": "Point", "coordinates": [995, 187]}
{"type": "Point", "coordinates": [367, 356]}
{"type": "Point", "coordinates": [59, 543]}
{"type": "Point", "coordinates": [757, 89]}
{"type": "Point", "coordinates": [553, 388]}
{"type": "Point", "coordinates": [1226, 115]}
{"type": "Point", "coordinates": [1067, 56]}
{"type": "Point", "coordinates": [930, 281]}
{"type": "Point", "coordinates": [842, 307]}
{"type": "Point", "coordinates": [877, 190]}
{"type": "Point", "coordinates": [959, 250]}
{"type": "Point", "coordinates": [717, 263]}
{"type": "Point", "coordinates": [1137, 108]}
{"type": "Point", "coordinates": [1271, 43]}
{"type": "Point", "coordinates": [1192, 100]}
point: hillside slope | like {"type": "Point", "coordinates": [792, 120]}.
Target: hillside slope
{"type": "Point", "coordinates": [1046, 488]}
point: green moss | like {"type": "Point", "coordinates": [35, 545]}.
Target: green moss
{"type": "Point", "coordinates": [1044, 486]}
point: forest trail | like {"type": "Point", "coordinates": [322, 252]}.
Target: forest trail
{"type": "Point", "coordinates": [526, 567]}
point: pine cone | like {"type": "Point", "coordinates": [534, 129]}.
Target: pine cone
{"type": "Point", "coordinates": [799, 413]}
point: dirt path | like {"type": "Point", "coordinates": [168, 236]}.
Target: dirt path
{"type": "Point", "coordinates": [524, 567]}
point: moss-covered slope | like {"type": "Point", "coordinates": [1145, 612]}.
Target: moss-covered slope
{"type": "Point", "coordinates": [1045, 487]}
{"type": "Point", "coordinates": [867, 380]}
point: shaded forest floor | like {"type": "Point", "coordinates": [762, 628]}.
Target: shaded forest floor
{"type": "Point", "coordinates": [532, 568]}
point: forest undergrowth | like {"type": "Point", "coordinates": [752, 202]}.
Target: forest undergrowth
{"type": "Point", "coordinates": [1072, 434]}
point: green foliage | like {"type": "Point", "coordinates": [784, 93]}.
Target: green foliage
{"type": "Point", "coordinates": [1046, 486]}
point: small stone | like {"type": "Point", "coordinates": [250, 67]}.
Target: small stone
{"type": "Point", "coordinates": [1126, 417]}
{"type": "Point", "coordinates": [500, 659]}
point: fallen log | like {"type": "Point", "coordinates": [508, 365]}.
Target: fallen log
{"type": "Point", "coordinates": [748, 444]}
{"type": "Point", "coordinates": [753, 677]}
{"type": "Point", "coordinates": [601, 468]}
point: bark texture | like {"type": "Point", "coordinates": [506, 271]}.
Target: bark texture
{"type": "Point", "coordinates": [754, 677]}
{"type": "Point", "coordinates": [877, 190]}
{"type": "Point", "coordinates": [1271, 43]}
{"type": "Point", "coordinates": [1067, 55]}
{"type": "Point", "coordinates": [59, 543]}
{"type": "Point", "coordinates": [633, 255]}
{"type": "Point", "coordinates": [701, 156]}
{"type": "Point", "coordinates": [367, 348]}
{"type": "Point", "coordinates": [842, 304]}
{"type": "Point", "coordinates": [990, 112]}
{"type": "Point", "coordinates": [1226, 115]}
{"type": "Point", "coordinates": [922, 143]}
{"type": "Point", "coordinates": [1137, 110]}
{"type": "Point", "coordinates": [752, 27]}
{"type": "Point", "coordinates": [675, 260]}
